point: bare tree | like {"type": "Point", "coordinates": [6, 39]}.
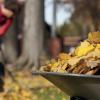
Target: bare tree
{"type": "Point", "coordinates": [86, 10]}
{"type": "Point", "coordinates": [33, 34]}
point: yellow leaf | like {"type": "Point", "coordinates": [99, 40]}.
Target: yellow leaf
{"type": "Point", "coordinates": [84, 49]}
{"type": "Point", "coordinates": [94, 37]}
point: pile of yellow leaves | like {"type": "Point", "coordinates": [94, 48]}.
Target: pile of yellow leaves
{"type": "Point", "coordinates": [84, 60]}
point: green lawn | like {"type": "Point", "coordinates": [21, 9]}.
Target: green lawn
{"type": "Point", "coordinates": [44, 90]}
{"type": "Point", "coordinates": [27, 87]}
{"type": "Point", "coordinates": [50, 93]}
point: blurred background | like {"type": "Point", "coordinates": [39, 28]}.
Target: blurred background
{"type": "Point", "coordinates": [40, 31]}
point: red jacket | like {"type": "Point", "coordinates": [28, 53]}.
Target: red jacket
{"type": "Point", "coordinates": [5, 23]}
{"type": "Point", "coordinates": [5, 27]}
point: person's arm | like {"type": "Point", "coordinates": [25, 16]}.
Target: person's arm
{"type": "Point", "coordinates": [5, 27]}
{"type": "Point", "coordinates": [7, 13]}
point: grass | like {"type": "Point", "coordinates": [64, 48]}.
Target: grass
{"type": "Point", "coordinates": [35, 88]}
{"type": "Point", "coordinates": [50, 93]}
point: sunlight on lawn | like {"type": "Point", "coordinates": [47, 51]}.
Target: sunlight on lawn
{"type": "Point", "coordinates": [27, 87]}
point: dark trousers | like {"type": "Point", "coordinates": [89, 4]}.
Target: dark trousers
{"type": "Point", "coordinates": [2, 74]}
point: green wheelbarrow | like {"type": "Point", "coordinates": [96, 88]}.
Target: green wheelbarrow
{"type": "Point", "coordinates": [78, 87]}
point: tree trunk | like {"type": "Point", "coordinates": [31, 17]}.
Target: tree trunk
{"type": "Point", "coordinates": [33, 34]}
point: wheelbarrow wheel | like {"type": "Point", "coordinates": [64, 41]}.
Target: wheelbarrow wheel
{"type": "Point", "coordinates": [77, 98]}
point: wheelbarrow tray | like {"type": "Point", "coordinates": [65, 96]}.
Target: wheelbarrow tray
{"type": "Point", "coordinates": [87, 86]}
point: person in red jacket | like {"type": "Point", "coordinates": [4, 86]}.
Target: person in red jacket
{"type": "Point", "coordinates": [8, 9]}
